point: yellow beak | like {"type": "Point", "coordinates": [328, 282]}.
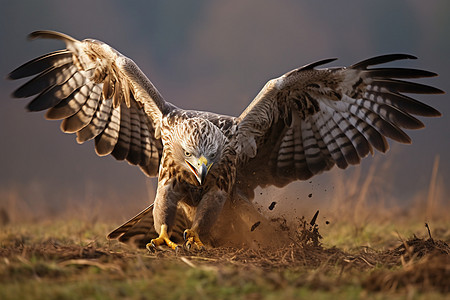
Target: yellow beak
{"type": "Point", "coordinates": [200, 169]}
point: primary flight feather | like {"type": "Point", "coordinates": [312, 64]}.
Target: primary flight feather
{"type": "Point", "coordinates": [299, 125]}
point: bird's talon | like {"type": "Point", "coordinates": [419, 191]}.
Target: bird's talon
{"type": "Point", "coordinates": [191, 237]}
{"type": "Point", "coordinates": [163, 239]}
{"type": "Point", "coordinates": [151, 247]}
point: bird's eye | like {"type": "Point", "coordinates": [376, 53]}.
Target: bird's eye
{"type": "Point", "coordinates": [213, 155]}
{"type": "Point", "coordinates": [187, 154]}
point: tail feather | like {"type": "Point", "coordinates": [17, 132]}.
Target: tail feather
{"type": "Point", "coordinates": [140, 230]}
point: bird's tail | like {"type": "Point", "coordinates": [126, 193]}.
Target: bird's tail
{"type": "Point", "coordinates": [140, 230]}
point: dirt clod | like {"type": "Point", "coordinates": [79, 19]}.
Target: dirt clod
{"type": "Point", "coordinates": [255, 225]}
{"type": "Point", "coordinates": [272, 205]}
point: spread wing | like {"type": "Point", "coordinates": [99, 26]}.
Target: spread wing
{"type": "Point", "coordinates": [99, 94]}
{"type": "Point", "coordinates": [309, 119]}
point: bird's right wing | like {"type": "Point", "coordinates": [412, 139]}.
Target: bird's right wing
{"type": "Point", "coordinates": [98, 93]}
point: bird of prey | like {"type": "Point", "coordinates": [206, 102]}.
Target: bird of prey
{"type": "Point", "coordinates": [299, 125]}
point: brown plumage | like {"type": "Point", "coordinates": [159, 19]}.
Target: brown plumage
{"type": "Point", "coordinates": [299, 125]}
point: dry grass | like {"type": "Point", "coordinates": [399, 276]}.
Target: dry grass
{"type": "Point", "coordinates": [364, 247]}
{"type": "Point", "coordinates": [77, 259]}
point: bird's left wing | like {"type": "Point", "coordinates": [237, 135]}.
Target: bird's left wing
{"type": "Point", "coordinates": [98, 93]}
{"type": "Point", "coordinates": [309, 119]}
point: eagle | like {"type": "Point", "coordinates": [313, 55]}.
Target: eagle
{"type": "Point", "coordinates": [299, 125]}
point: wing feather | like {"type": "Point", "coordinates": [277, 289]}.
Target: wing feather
{"type": "Point", "coordinates": [84, 116]}
{"type": "Point", "coordinates": [146, 142]}
{"type": "Point", "coordinates": [314, 149]}
{"type": "Point", "coordinates": [400, 73]}
{"type": "Point", "coordinates": [122, 146]}
{"type": "Point", "coordinates": [106, 141]}
{"type": "Point", "coordinates": [97, 123]}
{"type": "Point", "coordinates": [134, 155]}
{"type": "Point", "coordinates": [72, 104]}
{"type": "Point", "coordinates": [404, 103]}
{"type": "Point", "coordinates": [400, 86]}
{"type": "Point", "coordinates": [340, 137]}
{"type": "Point", "coordinates": [329, 131]}
{"type": "Point", "coordinates": [42, 64]}
{"type": "Point", "coordinates": [46, 80]}
{"type": "Point", "coordinates": [98, 94]}
{"type": "Point", "coordinates": [327, 159]}
{"type": "Point", "coordinates": [359, 146]}
{"type": "Point", "coordinates": [331, 117]}
{"type": "Point", "coordinates": [376, 121]}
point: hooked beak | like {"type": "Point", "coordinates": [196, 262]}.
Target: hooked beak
{"type": "Point", "coordinates": [200, 169]}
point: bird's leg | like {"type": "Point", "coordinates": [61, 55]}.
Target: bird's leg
{"type": "Point", "coordinates": [163, 239]}
{"type": "Point", "coordinates": [164, 213]}
{"type": "Point", "coordinates": [206, 215]}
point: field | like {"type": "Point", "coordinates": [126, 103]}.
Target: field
{"type": "Point", "coordinates": [73, 260]}
{"type": "Point", "coordinates": [362, 251]}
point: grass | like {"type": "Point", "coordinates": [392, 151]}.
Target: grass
{"type": "Point", "coordinates": [368, 250]}
{"type": "Point", "coordinates": [73, 260]}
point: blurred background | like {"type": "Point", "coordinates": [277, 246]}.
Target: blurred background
{"type": "Point", "coordinates": [216, 56]}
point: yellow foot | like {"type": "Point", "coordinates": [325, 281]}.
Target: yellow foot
{"type": "Point", "coordinates": [163, 239]}
{"type": "Point", "coordinates": [191, 238]}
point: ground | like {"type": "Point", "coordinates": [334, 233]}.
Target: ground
{"type": "Point", "coordinates": [72, 259]}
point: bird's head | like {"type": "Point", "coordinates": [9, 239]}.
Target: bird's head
{"type": "Point", "coordinates": [199, 145]}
